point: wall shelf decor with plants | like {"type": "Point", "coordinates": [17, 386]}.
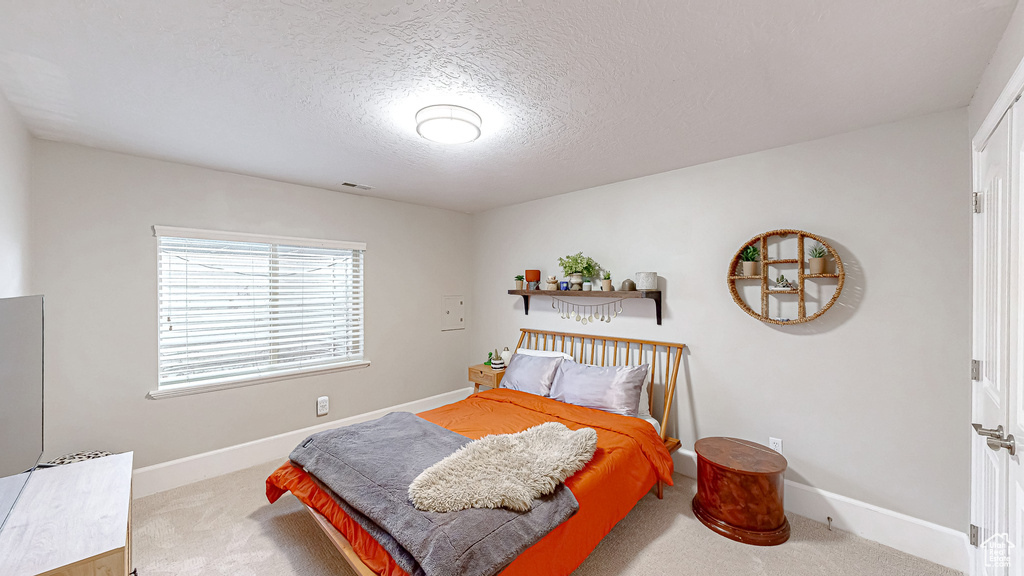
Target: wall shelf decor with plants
{"type": "Point", "coordinates": [757, 275]}
{"type": "Point", "coordinates": [616, 296]}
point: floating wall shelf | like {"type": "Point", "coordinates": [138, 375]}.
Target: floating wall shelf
{"type": "Point", "coordinates": [614, 295]}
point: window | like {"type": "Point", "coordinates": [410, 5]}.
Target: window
{"type": "Point", "coordinates": [242, 307]}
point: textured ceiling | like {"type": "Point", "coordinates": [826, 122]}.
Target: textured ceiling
{"type": "Point", "coordinates": [573, 93]}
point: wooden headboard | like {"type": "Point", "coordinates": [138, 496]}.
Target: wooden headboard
{"type": "Point", "coordinates": [664, 358]}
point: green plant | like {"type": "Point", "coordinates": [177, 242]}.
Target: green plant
{"type": "Point", "coordinates": [817, 251]}
{"type": "Point", "coordinates": [607, 275]}
{"type": "Point", "coordinates": [520, 277]}
{"type": "Point", "coordinates": [750, 254]}
{"type": "Point", "coordinates": [579, 264]}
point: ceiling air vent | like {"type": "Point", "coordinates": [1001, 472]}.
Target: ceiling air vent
{"type": "Point", "coordinates": [359, 186]}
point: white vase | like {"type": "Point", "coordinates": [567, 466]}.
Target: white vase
{"type": "Point", "coordinates": [646, 280]}
{"type": "Point", "coordinates": [587, 286]}
{"type": "Point", "coordinates": [575, 281]}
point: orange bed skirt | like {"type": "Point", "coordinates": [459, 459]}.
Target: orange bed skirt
{"type": "Point", "coordinates": [630, 459]}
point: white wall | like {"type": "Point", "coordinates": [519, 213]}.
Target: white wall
{"type": "Point", "coordinates": [14, 168]}
{"type": "Point", "coordinates": [872, 399]}
{"type": "Point", "coordinates": [94, 258]}
{"type": "Point", "coordinates": [1001, 66]}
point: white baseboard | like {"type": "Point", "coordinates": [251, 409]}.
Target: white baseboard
{"type": "Point", "coordinates": [175, 473]}
{"type": "Point", "coordinates": [923, 539]}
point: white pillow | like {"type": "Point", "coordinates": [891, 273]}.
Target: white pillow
{"type": "Point", "coordinates": [613, 389]}
{"type": "Point", "coordinates": [645, 401]}
{"type": "Point", "coordinates": [544, 353]}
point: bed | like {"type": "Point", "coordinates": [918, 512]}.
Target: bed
{"type": "Point", "coordinates": [632, 456]}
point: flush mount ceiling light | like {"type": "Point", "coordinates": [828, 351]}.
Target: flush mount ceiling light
{"type": "Point", "coordinates": [448, 124]}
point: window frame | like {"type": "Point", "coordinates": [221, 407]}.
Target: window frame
{"type": "Point", "coordinates": [184, 389]}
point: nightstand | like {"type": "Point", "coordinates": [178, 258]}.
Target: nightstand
{"type": "Point", "coordinates": [482, 375]}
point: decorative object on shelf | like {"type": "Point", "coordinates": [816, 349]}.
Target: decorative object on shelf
{"type": "Point", "coordinates": [646, 280]}
{"type": "Point", "coordinates": [628, 285]}
{"type": "Point", "coordinates": [551, 283]}
{"type": "Point", "coordinates": [506, 355]}
{"type": "Point", "coordinates": [563, 285]}
{"type": "Point", "coordinates": [497, 362]}
{"type": "Point", "coordinates": [587, 286]}
{"type": "Point", "coordinates": [533, 275]}
{"type": "Point", "coordinates": [576, 267]}
{"type": "Point", "coordinates": [606, 282]}
{"type": "Point", "coordinates": [817, 254]}
{"type": "Point", "coordinates": [534, 285]}
{"type": "Point", "coordinates": [587, 314]}
{"type": "Point", "coordinates": [490, 356]}
{"type": "Point", "coordinates": [782, 284]}
{"type": "Point", "coordinates": [798, 286]}
{"type": "Point", "coordinates": [749, 257]}
{"type": "Point", "coordinates": [519, 282]}
{"type": "Point", "coordinates": [565, 306]}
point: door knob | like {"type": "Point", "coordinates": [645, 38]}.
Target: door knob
{"type": "Point", "coordinates": [996, 432]}
{"type": "Point", "coordinates": [996, 443]}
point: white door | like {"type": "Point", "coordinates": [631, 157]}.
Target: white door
{"type": "Point", "coordinates": [997, 506]}
{"type": "Point", "coordinates": [1015, 405]}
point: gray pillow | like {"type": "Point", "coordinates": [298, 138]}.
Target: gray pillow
{"type": "Point", "coordinates": [531, 374]}
{"type": "Point", "coordinates": [613, 389]}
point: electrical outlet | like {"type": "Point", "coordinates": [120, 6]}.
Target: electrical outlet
{"type": "Point", "coordinates": [775, 444]}
{"type": "Point", "coordinates": [323, 404]}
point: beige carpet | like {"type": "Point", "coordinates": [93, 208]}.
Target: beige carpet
{"type": "Point", "coordinates": [225, 526]}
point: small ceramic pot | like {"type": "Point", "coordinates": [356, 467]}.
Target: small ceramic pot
{"type": "Point", "coordinates": [587, 286]}
{"type": "Point", "coordinates": [750, 269]}
{"type": "Point", "coordinates": [606, 285]}
{"type": "Point", "coordinates": [817, 265]}
{"type": "Point", "coordinates": [628, 285]}
{"type": "Point", "coordinates": [563, 285]}
{"type": "Point", "coordinates": [519, 284]}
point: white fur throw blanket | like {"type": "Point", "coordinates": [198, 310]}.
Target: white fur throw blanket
{"type": "Point", "coordinates": [504, 470]}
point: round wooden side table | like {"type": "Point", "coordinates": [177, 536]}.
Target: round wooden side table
{"type": "Point", "coordinates": [740, 491]}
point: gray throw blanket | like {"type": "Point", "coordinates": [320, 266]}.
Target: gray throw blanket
{"type": "Point", "coordinates": [369, 467]}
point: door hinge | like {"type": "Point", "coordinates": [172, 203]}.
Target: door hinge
{"type": "Point", "coordinates": [975, 370]}
{"type": "Point", "coordinates": [974, 535]}
{"type": "Point", "coordinates": [976, 202]}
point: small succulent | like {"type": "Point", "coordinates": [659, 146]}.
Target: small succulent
{"type": "Point", "coordinates": [750, 254]}
{"type": "Point", "coordinates": [607, 275]}
{"type": "Point", "coordinates": [817, 251]}
{"type": "Point", "coordinates": [520, 277]}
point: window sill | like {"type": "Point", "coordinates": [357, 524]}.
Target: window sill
{"type": "Point", "coordinates": [188, 390]}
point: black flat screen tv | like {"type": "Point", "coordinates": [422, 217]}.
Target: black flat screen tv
{"type": "Point", "coordinates": [21, 395]}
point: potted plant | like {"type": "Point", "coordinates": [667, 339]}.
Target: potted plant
{"type": "Point", "coordinates": [817, 254]}
{"type": "Point", "coordinates": [587, 286]}
{"type": "Point", "coordinates": [749, 258]}
{"type": "Point", "coordinates": [519, 281]}
{"type": "Point", "coordinates": [576, 267]}
{"type": "Point", "coordinates": [606, 281]}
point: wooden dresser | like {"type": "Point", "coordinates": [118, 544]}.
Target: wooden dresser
{"type": "Point", "coordinates": [72, 520]}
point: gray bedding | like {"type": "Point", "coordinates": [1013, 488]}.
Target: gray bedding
{"type": "Point", "coordinates": [369, 466]}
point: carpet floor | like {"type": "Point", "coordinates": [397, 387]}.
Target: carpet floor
{"type": "Point", "coordinates": [224, 525]}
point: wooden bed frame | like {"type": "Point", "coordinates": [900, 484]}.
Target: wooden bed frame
{"type": "Point", "coordinates": [576, 345]}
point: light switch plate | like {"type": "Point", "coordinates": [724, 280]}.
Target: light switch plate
{"type": "Point", "coordinates": [453, 313]}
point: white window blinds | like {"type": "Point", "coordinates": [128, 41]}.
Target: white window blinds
{"type": "Point", "coordinates": [236, 307]}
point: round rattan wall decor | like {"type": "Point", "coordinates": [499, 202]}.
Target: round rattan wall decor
{"type": "Point", "coordinates": [782, 252]}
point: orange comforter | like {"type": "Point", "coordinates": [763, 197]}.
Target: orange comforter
{"type": "Point", "coordinates": [630, 459]}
